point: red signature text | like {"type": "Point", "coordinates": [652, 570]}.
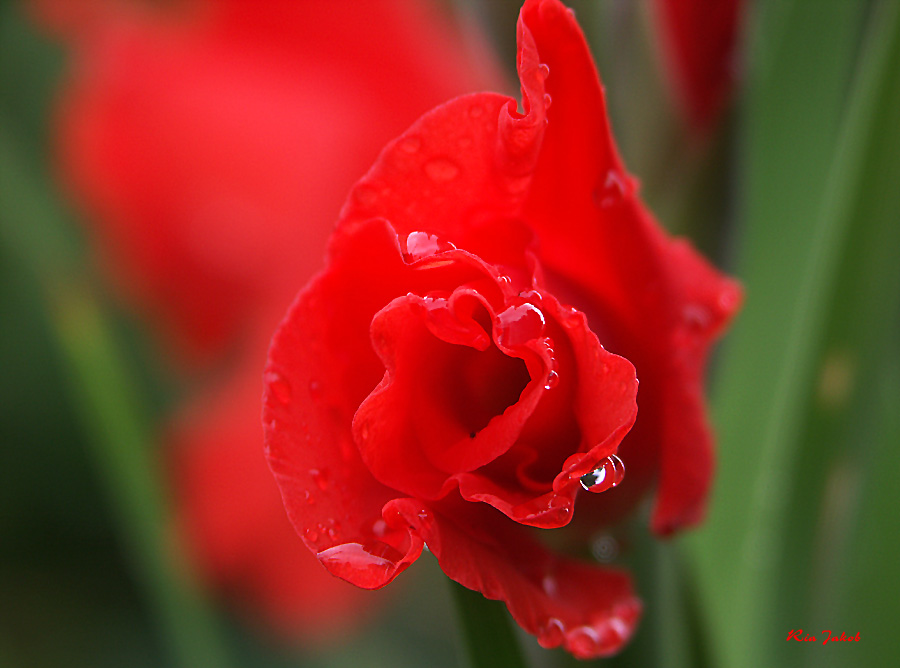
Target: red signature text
{"type": "Point", "coordinates": [799, 636]}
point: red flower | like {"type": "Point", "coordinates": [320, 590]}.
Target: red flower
{"type": "Point", "coordinates": [699, 38]}
{"type": "Point", "coordinates": [212, 141]}
{"type": "Point", "coordinates": [442, 380]}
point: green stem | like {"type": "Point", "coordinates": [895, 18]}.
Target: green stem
{"type": "Point", "coordinates": [487, 631]}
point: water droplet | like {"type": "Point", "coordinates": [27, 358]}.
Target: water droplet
{"type": "Point", "coordinates": [355, 557]}
{"type": "Point", "coordinates": [583, 641]}
{"type": "Point", "coordinates": [320, 477]}
{"type": "Point", "coordinates": [520, 324]}
{"type": "Point", "coordinates": [547, 100]}
{"type": "Point", "coordinates": [441, 170]}
{"type": "Point", "coordinates": [696, 316]}
{"type": "Point", "coordinates": [543, 70]}
{"type": "Point", "coordinates": [411, 144]}
{"type": "Point", "coordinates": [278, 385]}
{"type": "Point", "coordinates": [420, 245]}
{"type": "Point", "coordinates": [610, 473]}
{"type": "Point", "coordinates": [308, 497]}
{"type": "Point", "coordinates": [549, 585]}
{"type": "Point", "coordinates": [311, 534]}
{"type": "Point", "coordinates": [552, 633]}
{"type": "Point", "coordinates": [612, 191]}
{"type": "Point", "coordinates": [504, 280]}
{"type": "Point", "coordinates": [379, 528]}
{"type": "Point", "coordinates": [552, 380]}
{"type": "Point", "coordinates": [533, 296]}
{"type": "Point", "coordinates": [365, 194]}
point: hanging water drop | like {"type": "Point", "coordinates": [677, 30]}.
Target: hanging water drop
{"type": "Point", "coordinates": [420, 245]}
{"type": "Point", "coordinates": [519, 324]}
{"type": "Point", "coordinates": [552, 380]}
{"type": "Point", "coordinates": [278, 386]}
{"type": "Point", "coordinates": [610, 473]}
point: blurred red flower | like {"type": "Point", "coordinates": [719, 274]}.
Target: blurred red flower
{"type": "Point", "coordinates": [443, 381]}
{"type": "Point", "coordinates": [699, 39]}
{"type": "Point", "coordinates": [211, 145]}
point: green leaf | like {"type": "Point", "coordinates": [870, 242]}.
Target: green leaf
{"type": "Point", "coordinates": [109, 403]}
{"type": "Point", "coordinates": [804, 193]}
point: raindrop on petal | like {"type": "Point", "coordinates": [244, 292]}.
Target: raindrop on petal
{"type": "Point", "coordinates": [320, 477]}
{"type": "Point", "coordinates": [411, 144]}
{"type": "Point", "coordinates": [520, 324]}
{"type": "Point", "coordinates": [610, 473]}
{"type": "Point", "coordinates": [552, 380]}
{"type": "Point", "coordinates": [279, 386]}
{"type": "Point", "coordinates": [441, 170]}
{"type": "Point", "coordinates": [420, 245]}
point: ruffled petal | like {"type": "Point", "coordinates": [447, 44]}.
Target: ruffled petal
{"type": "Point", "coordinates": [321, 366]}
{"type": "Point", "coordinates": [638, 286]}
{"type": "Point", "coordinates": [231, 519]}
{"type": "Point", "coordinates": [590, 610]}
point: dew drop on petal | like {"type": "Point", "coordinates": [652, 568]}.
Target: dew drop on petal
{"type": "Point", "coordinates": [610, 473]}
{"type": "Point", "coordinates": [374, 557]}
{"type": "Point", "coordinates": [584, 641]}
{"type": "Point", "coordinates": [279, 386]}
{"type": "Point", "coordinates": [365, 195]}
{"type": "Point", "coordinates": [552, 380]}
{"type": "Point", "coordinates": [411, 144]}
{"type": "Point", "coordinates": [552, 633]}
{"type": "Point", "coordinates": [612, 191]}
{"type": "Point", "coordinates": [549, 585]}
{"type": "Point", "coordinates": [379, 528]}
{"type": "Point", "coordinates": [311, 534]}
{"type": "Point", "coordinates": [441, 170]}
{"type": "Point", "coordinates": [420, 245]}
{"type": "Point", "coordinates": [320, 477]}
{"type": "Point", "coordinates": [520, 324]}
{"type": "Point", "coordinates": [543, 71]}
{"type": "Point", "coordinates": [547, 100]}
{"type": "Point", "coordinates": [696, 316]}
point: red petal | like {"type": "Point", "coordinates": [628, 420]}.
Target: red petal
{"type": "Point", "coordinates": [638, 287]}
{"type": "Point", "coordinates": [589, 610]}
{"type": "Point", "coordinates": [232, 520]}
{"type": "Point", "coordinates": [321, 367]}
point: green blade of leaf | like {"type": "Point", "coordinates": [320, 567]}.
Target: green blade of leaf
{"type": "Point", "coordinates": [105, 395]}
{"type": "Point", "coordinates": [800, 193]}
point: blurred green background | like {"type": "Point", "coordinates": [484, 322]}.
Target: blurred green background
{"type": "Point", "coordinates": [798, 194]}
